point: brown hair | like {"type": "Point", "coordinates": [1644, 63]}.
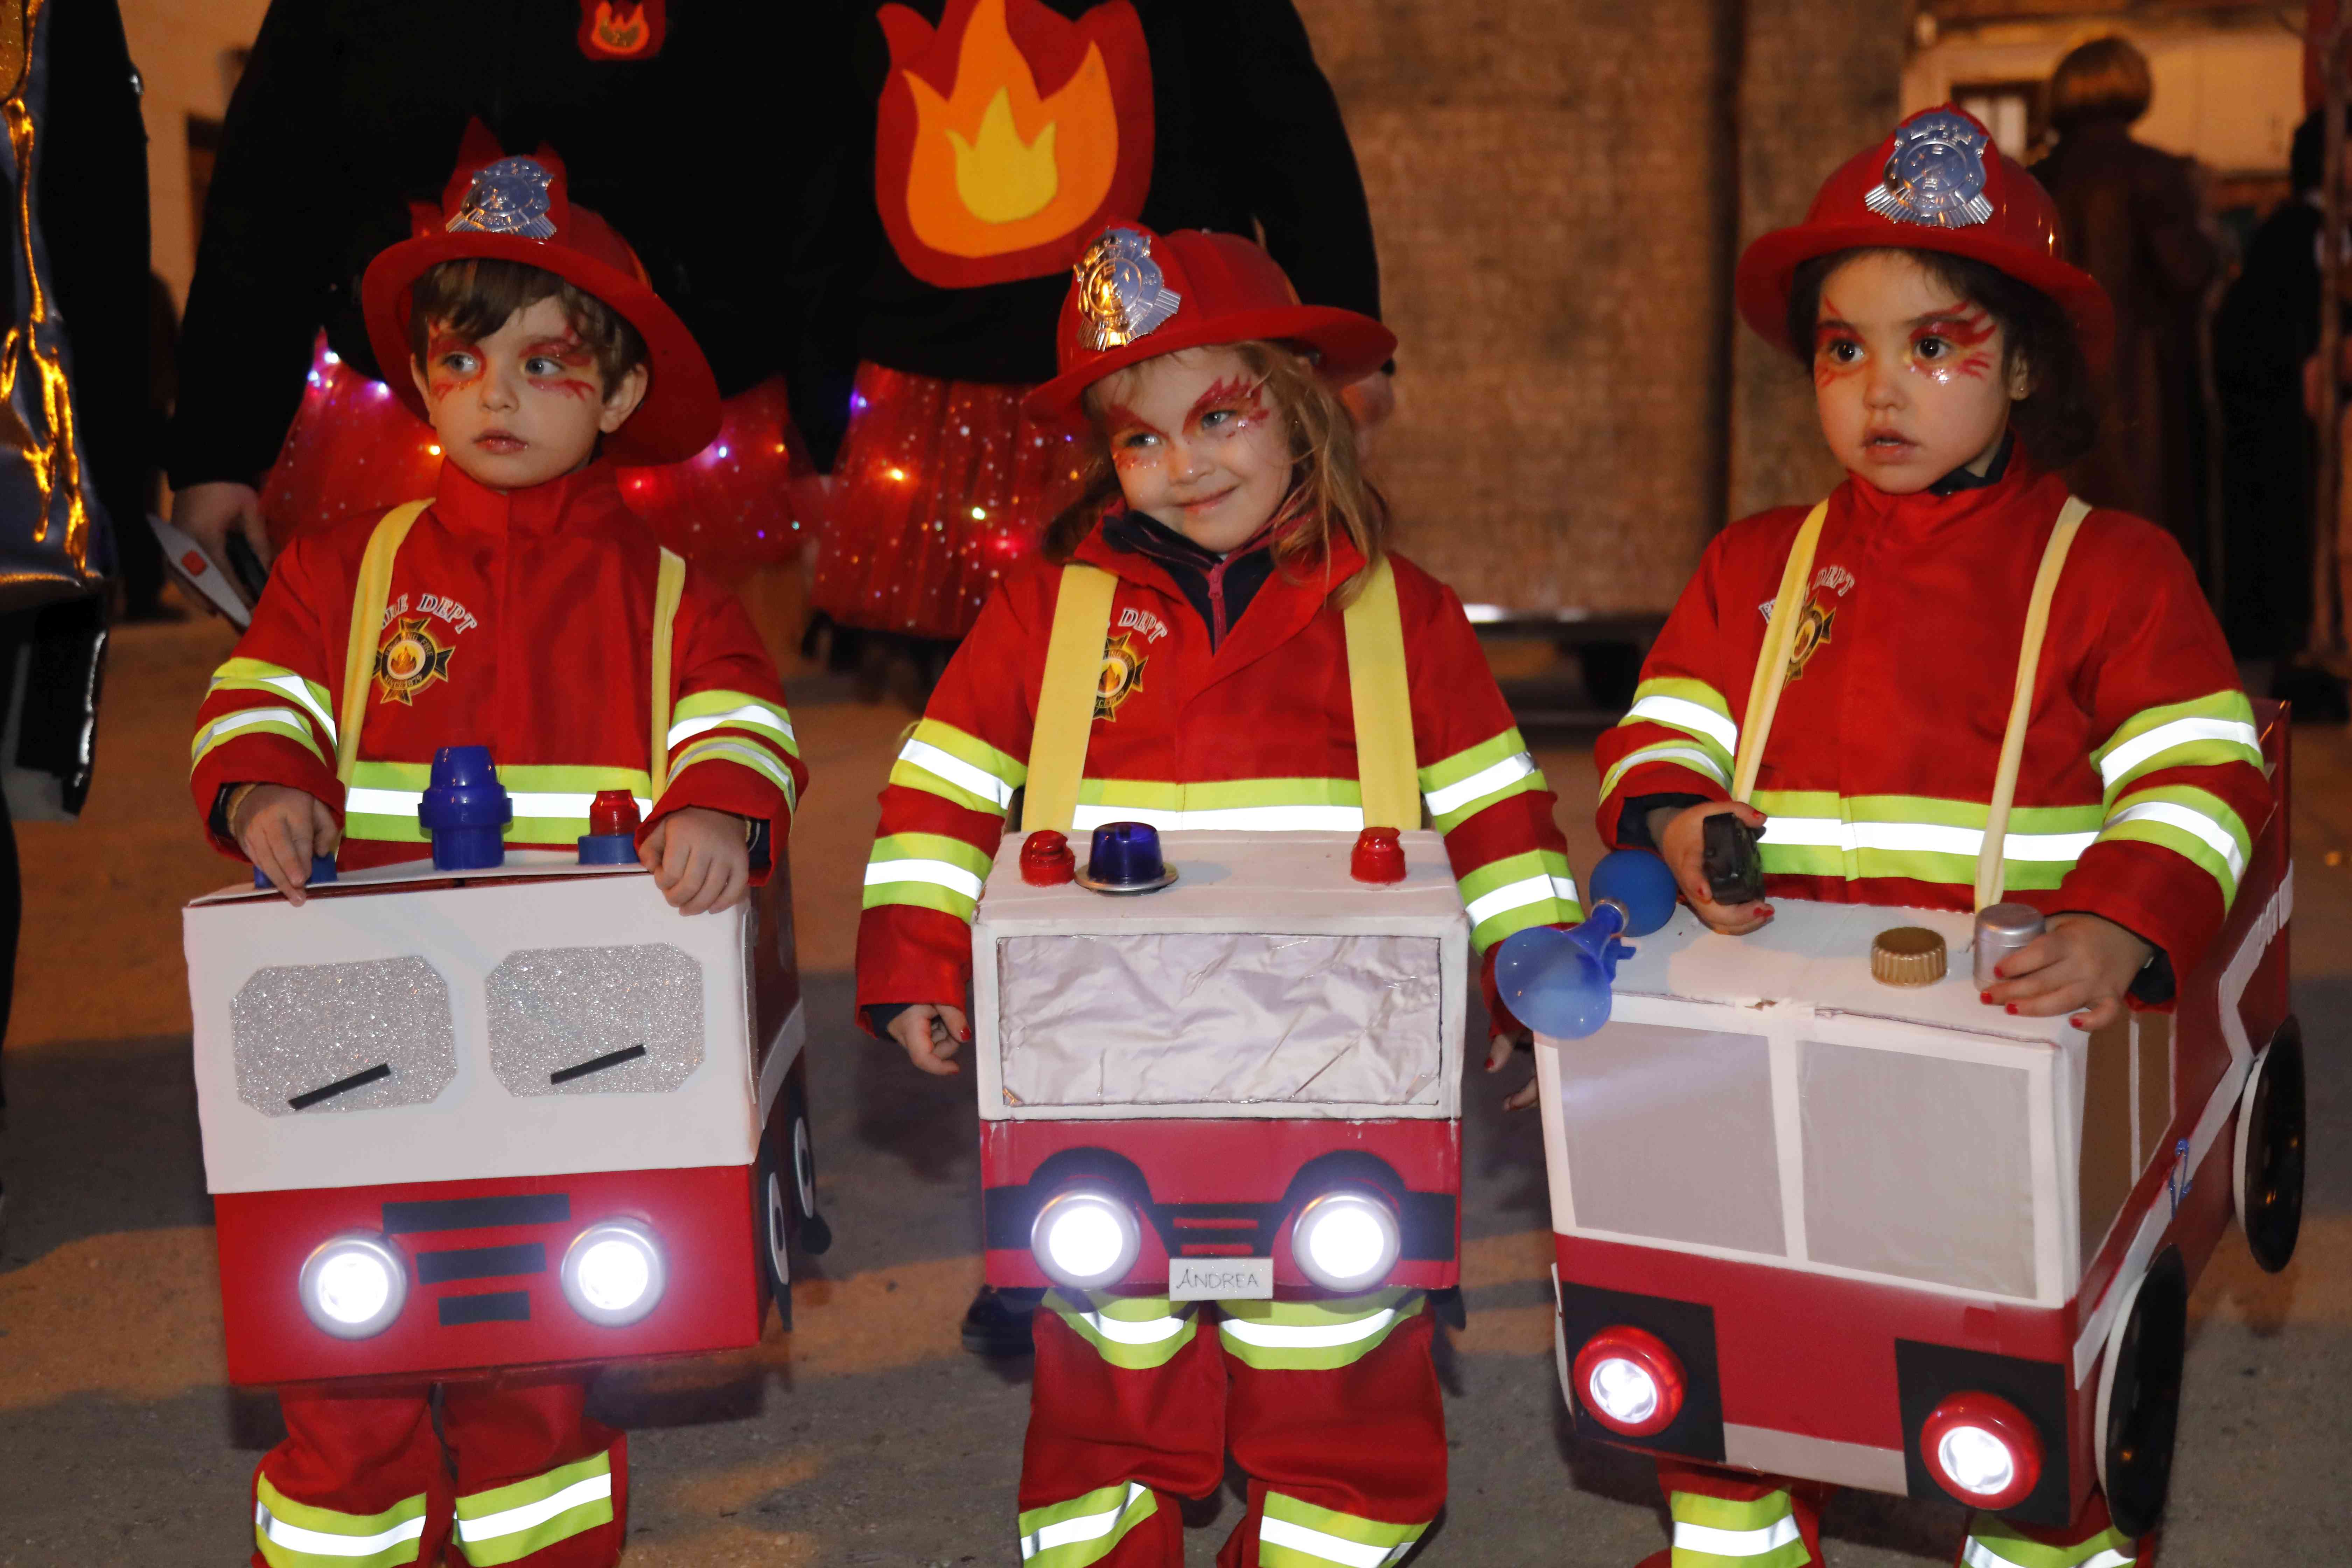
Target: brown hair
{"type": "Point", "coordinates": [2105, 78]}
{"type": "Point", "coordinates": [2058, 421]}
{"type": "Point", "coordinates": [474, 298]}
{"type": "Point", "coordinates": [1329, 492]}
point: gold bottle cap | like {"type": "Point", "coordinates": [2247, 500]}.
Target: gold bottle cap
{"type": "Point", "coordinates": [1907, 955]}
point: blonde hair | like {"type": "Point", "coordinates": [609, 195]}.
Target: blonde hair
{"type": "Point", "coordinates": [1329, 492]}
{"type": "Point", "coordinates": [2106, 78]}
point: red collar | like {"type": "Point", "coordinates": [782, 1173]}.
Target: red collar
{"type": "Point", "coordinates": [1922, 513]}
{"type": "Point", "coordinates": [465, 505]}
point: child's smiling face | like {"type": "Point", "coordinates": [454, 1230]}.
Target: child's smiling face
{"type": "Point", "coordinates": [1911, 379]}
{"type": "Point", "coordinates": [1199, 443]}
{"type": "Point", "coordinates": [524, 404]}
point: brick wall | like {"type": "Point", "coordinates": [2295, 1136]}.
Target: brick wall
{"type": "Point", "coordinates": [1552, 186]}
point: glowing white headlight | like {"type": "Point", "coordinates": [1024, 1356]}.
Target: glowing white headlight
{"type": "Point", "coordinates": [353, 1284]}
{"type": "Point", "coordinates": [1344, 1240]}
{"type": "Point", "coordinates": [612, 1272]}
{"type": "Point", "coordinates": [1085, 1239]}
{"type": "Point", "coordinates": [1622, 1390]}
{"type": "Point", "coordinates": [1977, 1460]}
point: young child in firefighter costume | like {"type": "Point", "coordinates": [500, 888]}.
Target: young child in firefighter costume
{"type": "Point", "coordinates": [1226, 532]}
{"type": "Point", "coordinates": [1950, 351]}
{"type": "Point", "coordinates": [517, 607]}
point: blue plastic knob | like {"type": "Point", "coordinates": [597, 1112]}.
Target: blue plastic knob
{"type": "Point", "coordinates": [465, 810]}
{"type": "Point", "coordinates": [1639, 881]}
{"type": "Point", "coordinates": [1124, 857]}
{"type": "Point", "coordinates": [322, 869]}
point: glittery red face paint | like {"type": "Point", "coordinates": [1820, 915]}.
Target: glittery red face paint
{"type": "Point", "coordinates": [1837, 349]}
{"type": "Point", "coordinates": [564, 366]}
{"type": "Point", "coordinates": [1951, 342]}
{"type": "Point", "coordinates": [452, 362]}
{"type": "Point", "coordinates": [1134, 440]}
{"type": "Point", "coordinates": [1231, 395]}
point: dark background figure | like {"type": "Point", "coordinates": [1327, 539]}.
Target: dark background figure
{"type": "Point", "coordinates": [88, 154]}
{"type": "Point", "coordinates": [2266, 331]}
{"type": "Point", "coordinates": [2131, 216]}
{"type": "Point", "coordinates": [701, 137]}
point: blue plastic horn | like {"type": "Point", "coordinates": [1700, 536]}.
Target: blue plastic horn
{"type": "Point", "coordinates": [1557, 981]}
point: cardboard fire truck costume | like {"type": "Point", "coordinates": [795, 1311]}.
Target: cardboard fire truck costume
{"type": "Point", "coordinates": [1821, 1213]}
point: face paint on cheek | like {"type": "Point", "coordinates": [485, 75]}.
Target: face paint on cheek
{"type": "Point", "coordinates": [1831, 333]}
{"type": "Point", "coordinates": [1121, 422]}
{"type": "Point", "coordinates": [1963, 327]}
{"type": "Point", "coordinates": [441, 378]}
{"type": "Point", "coordinates": [1242, 398]}
{"type": "Point", "coordinates": [579, 378]}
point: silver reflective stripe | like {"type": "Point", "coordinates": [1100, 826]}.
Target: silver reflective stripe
{"type": "Point", "coordinates": [319, 1543]}
{"type": "Point", "coordinates": [229, 722]}
{"type": "Point", "coordinates": [1683, 714]}
{"type": "Point", "coordinates": [1150, 1332]}
{"type": "Point", "coordinates": [1514, 895]}
{"type": "Point", "coordinates": [1086, 1527]}
{"type": "Point", "coordinates": [2179, 732]}
{"type": "Point", "coordinates": [1306, 1336]}
{"type": "Point", "coordinates": [2187, 821]}
{"type": "Point", "coordinates": [295, 687]}
{"type": "Point", "coordinates": [1331, 1548]}
{"type": "Point", "coordinates": [1238, 818]}
{"type": "Point", "coordinates": [1485, 781]}
{"type": "Point", "coordinates": [741, 719]}
{"type": "Point", "coordinates": [939, 872]}
{"type": "Point", "coordinates": [1931, 837]}
{"type": "Point", "coordinates": [1736, 1542]}
{"type": "Point", "coordinates": [1698, 760]}
{"type": "Point", "coordinates": [527, 803]}
{"type": "Point", "coordinates": [957, 771]}
{"type": "Point", "coordinates": [490, 1526]}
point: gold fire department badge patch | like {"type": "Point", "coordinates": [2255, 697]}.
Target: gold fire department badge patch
{"type": "Point", "coordinates": [410, 660]}
{"type": "Point", "coordinates": [1122, 676]}
{"type": "Point", "coordinates": [1812, 633]}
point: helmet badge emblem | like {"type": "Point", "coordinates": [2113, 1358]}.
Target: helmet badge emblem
{"type": "Point", "coordinates": [1121, 290]}
{"type": "Point", "coordinates": [510, 197]}
{"type": "Point", "coordinates": [1936, 174]}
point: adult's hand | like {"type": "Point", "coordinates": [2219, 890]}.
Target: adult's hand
{"type": "Point", "coordinates": [209, 512]}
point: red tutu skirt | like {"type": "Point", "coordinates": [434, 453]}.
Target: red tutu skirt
{"type": "Point", "coordinates": [729, 508]}
{"type": "Point", "coordinates": [942, 486]}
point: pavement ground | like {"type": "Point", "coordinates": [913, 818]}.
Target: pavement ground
{"type": "Point", "coordinates": [867, 1437]}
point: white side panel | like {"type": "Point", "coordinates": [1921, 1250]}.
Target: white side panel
{"type": "Point", "coordinates": [473, 1127]}
{"type": "Point", "coordinates": [1782, 1453]}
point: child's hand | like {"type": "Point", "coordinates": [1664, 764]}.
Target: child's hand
{"type": "Point", "coordinates": [2081, 962]}
{"type": "Point", "coordinates": [1681, 839]}
{"type": "Point", "coordinates": [1498, 1056]}
{"type": "Point", "coordinates": [930, 1033]}
{"type": "Point", "coordinates": [280, 830]}
{"type": "Point", "coordinates": [698, 859]}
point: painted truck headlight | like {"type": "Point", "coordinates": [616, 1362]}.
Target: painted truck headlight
{"type": "Point", "coordinates": [353, 1284]}
{"type": "Point", "coordinates": [1982, 1450]}
{"type": "Point", "coordinates": [1085, 1238]}
{"type": "Point", "coordinates": [1629, 1381]}
{"type": "Point", "coordinates": [612, 1272]}
{"type": "Point", "coordinates": [1344, 1240]}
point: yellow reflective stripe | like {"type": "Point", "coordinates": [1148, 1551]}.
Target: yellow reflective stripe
{"type": "Point", "coordinates": [1471, 780]}
{"type": "Point", "coordinates": [743, 753]}
{"type": "Point", "coordinates": [507, 1523]}
{"type": "Point", "coordinates": [1136, 1332]}
{"type": "Point", "coordinates": [1692, 708]}
{"type": "Point", "coordinates": [929, 869]}
{"type": "Point", "coordinates": [551, 800]}
{"type": "Point", "coordinates": [1668, 753]}
{"type": "Point", "coordinates": [281, 722]}
{"type": "Point", "coordinates": [2191, 823]}
{"type": "Point", "coordinates": [1314, 1336]}
{"type": "Point", "coordinates": [2203, 732]}
{"type": "Point", "coordinates": [1510, 894]}
{"type": "Point", "coordinates": [1719, 1532]}
{"type": "Point", "coordinates": [718, 710]}
{"type": "Point", "coordinates": [1294, 1533]}
{"type": "Point", "coordinates": [1269, 804]}
{"type": "Point", "coordinates": [1994, 1542]}
{"type": "Point", "coordinates": [936, 771]}
{"type": "Point", "coordinates": [1085, 1529]}
{"type": "Point", "coordinates": [290, 1534]}
{"type": "Point", "coordinates": [258, 675]}
{"type": "Point", "coordinates": [1819, 834]}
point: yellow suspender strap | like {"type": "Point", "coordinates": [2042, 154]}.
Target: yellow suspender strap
{"type": "Point", "coordinates": [1772, 664]}
{"type": "Point", "coordinates": [1376, 683]}
{"type": "Point", "coordinates": [1991, 859]}
{"type": "Point", "coordinates": [368, 600]}
{"type": "Point", "coordinates": [669, 584]}
{"type": "Point", "coordinates": [1065, 704]}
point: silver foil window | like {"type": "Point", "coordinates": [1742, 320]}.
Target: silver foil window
{"type": "Point", "coordinates": [340, 1037]}
{"type": "Point", "coordinates": [596, 1020]}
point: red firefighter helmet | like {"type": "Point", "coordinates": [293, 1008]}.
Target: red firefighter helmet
{"type": "Point", "coordinates": [1136, 295]}
{"type": "Point", "coordinates": [520, 209]}
{"type": "Point", "coordinates": [1938, 182]}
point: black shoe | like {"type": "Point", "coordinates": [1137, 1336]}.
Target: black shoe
{"type": "Point", "coordinates": [997, 1323]}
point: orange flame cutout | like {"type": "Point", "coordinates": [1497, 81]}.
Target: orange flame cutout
{"type": "Point", "coordinates": [993, 167]}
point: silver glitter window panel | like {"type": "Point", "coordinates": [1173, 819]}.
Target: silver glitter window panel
{"type": "Point", "coordinates": [596, 1020]}
{"type": "Point", "coordinates": [313, 1039]}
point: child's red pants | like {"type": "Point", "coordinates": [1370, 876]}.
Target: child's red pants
{"type": "Point", "coordinates": [517, 1474]}
{"type": "Point", "coordinates": [1331, 1407]}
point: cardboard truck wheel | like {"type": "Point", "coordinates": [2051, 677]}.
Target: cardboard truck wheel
{"type": "Point", "coordinates": [2267, 1173]}
{"type": "Point", "coordinates": [2139, 1409]}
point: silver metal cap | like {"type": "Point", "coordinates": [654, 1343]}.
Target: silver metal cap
{"type": "Point", "coordinates": [2008, 920]}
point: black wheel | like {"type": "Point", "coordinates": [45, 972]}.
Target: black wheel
{"type": "Point", "coordinates": [810, 1230]}
{"type": "Point", "coordinates": [772, 1218]}
{"type": "Point", "coordinates": [2141, 1401]}
{"type": "Point", "coordinates": [2269, 1173]}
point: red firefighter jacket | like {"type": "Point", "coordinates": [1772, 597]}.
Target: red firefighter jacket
{"type": "Point", "coordinates": [1258, 734]}
{"type": "Point", "coordinates": [2141, 770]}
{"type": "Point", "coordinates": [520, 621]}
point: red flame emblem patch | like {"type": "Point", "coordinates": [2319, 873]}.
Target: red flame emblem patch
{"type": "Point", "coordinates": [620, 30]}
